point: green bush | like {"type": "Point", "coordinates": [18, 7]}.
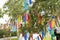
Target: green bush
{"type": "Point", "coordinates": [7, 33]}
{"type": "Point", "coordinates": [1, 33]}
{"type": "Point", "coordinates": [13, 33]}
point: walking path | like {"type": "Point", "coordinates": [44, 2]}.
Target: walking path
{"type": "Point", "coordinates": [7, 38]}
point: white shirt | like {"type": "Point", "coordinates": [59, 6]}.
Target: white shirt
{"type": "Point", "coordinates": [35, 35]}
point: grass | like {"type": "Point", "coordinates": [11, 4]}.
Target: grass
{"type": "Point", "coordinates": [14, 39]}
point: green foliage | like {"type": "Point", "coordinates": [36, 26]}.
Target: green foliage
{"type": "Point", "coordinates": [13, 33]}
{"type": "Point", "coordinates": [46, 5]}
{"type": "Point", "coordinates": [50, 7]}
{"type": "Point", "coordinates": [7, 33]}
{"type": "Point", "coordinates": [1, 13]}
{"type": "Point", "coordinates": [1, 33]}
{"type": "Point", "coordinates": [14, 7]}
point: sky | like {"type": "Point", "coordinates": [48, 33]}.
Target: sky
{"type": "Point", "coordinates": [4, 20]}
{"type": "Point", "coordinates": [5, 17]}
{"type": "Point", "coordinates": [2, 2]}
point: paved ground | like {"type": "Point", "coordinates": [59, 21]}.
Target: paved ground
{"type": "Point", "coordinates": [7, 38]}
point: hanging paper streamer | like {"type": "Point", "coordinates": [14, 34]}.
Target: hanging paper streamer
{"type": "Point", "coordinates": [26, 18]}
{"type": "Point", "coordinates": [43, 34]}
{"type": "Point", "coordinates": [38, 38]}
{"type": "Point", "coordinates": [28, 35]}
{"type": "Point", "coordinates": [53, 23]}
{"type": "Point", "coordinates": [25, 36]}
{"type": "Point", "coordinates": [30, 2]}
{"type": "Point", "coordinates": [50, 25]}
{"type": "Point", "coordinates": [19, 18]}
{"type": "Point", "coordinates": [13, 28]}
{"type": "Point", "coordinates": [26, 6]}
{"type": "Point", "coordinates": [47, 37]}
{"type": "Point", "coordinates": [49, 29]}
{"type": "Point", "coordinates": [52, 34]}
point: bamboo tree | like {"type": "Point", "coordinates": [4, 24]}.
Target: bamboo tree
{"type": "Point", "coordinates": [50, 7]}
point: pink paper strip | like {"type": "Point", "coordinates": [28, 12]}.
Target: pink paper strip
{"type": "Point", "coordinates": [50, 24]}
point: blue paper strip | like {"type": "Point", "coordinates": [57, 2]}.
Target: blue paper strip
{"type": "Point", "coordinates": [30, 1]}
